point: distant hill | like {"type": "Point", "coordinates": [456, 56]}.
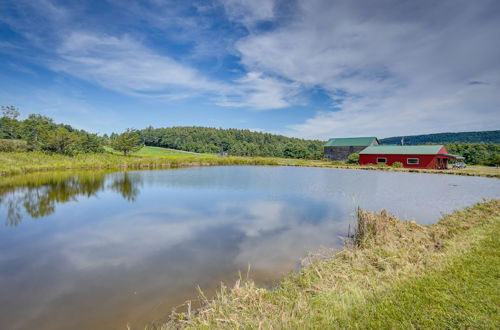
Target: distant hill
{"type": "Point", "coordinates": [463, 137]}
{"type": "Point", "coordinates": [234, 142]}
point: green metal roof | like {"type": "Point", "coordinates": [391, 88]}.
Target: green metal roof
{"type": "Point", "coordinates": [347, 142]}
{"type": "Point", "coordinates": [402, 150]}
{"type": "Point", "coordinates": [452, 156]}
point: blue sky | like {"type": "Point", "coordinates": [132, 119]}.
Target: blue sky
{"type": "Point", "coordinates": [310, 69]}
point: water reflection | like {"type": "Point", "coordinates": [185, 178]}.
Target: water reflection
{"type": "Point", "coordinates": [113, 249]}
{"type": "Point", "coordinates": [127, 186]}
{"type": "Point", "coordinates": [43, 191]}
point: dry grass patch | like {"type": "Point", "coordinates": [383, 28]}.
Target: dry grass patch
{"type": "Point", "coordinates": [384, 253]}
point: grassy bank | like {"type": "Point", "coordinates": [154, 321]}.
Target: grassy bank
{"type": "Point", "coordinates": [22, 162]}
{"type": "Point", "coordinates": [150, 157]}
{"type": "Point", "coordinates": [394, 275]}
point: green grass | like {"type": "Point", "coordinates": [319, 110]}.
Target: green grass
{"type": "Point", "coordinates": [12, 163]}
{"type": "Point", "coordinates": [465, 294]}
{"type": "Point", "coordinates": [161, 152]}
{"type": "Point", "coordinates": [397, 275]}
{"type": "Point", "coordinates": [152, 157]}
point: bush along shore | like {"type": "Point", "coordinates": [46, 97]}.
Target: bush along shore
{"type": "Point", "coordinates": [391, 274]}
{"type": "Point", "coordinates": [22, 162]}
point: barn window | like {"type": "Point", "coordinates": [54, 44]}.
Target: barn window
{"type": "Point", "coordinates": [381, 160]}
{"type": "Point", "coordinates": [412, 161]}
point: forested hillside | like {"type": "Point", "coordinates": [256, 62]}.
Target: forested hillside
{"type": "Point", "coordinates": [235, 142]}
{"type": "Point", "coordinates": [476, 153]}
{"type": "Point", "coordinates": [38, 132]}
{"type": "Point", "coordinates": [464, 137]}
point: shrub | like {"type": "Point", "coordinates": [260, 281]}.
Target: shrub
{"type": "Point", "coordinates": [60, 141]}
{"type": "Point", "coordinates": [353, 158]}
{"type": "Point", "coordinates": [493, 161]}
{"type": "Point", "coordinates": [13, 145]}
{"type": "Point", "coordinates": [379, 165]}
{"type": "Point", "coordinates": [397, 165]}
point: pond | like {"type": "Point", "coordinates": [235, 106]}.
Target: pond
{"type": "Point", "coordinates": [103, 250]}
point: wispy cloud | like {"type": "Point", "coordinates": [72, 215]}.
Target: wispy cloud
{"type": "Point", "coordinates": [249, 12]}
{"type": "Point", "coordinates": [386, 68]}
{"type": "Point", "coordinates": [258, 91]}
{"type": "Point", "coordinates": [124, 65]}
{"type": "Point", "coordinates": [397, 68]}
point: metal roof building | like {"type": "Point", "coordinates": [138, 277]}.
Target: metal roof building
{"type": "Point", "coordinates": [422, 156]}
{"type": "Point", "coordinates": [341, 148]}
{"type": "Point", "coordinates": [354, 141]}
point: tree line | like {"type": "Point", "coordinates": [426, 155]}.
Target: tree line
{"type": "Point", "coordinates": [476, 153]}
{"type": "Point", "coordinates": [38, 132]}
{"type": "Point", "coordinates": [41, 133]}
{"type": "Point", "coordinates": [234, 142]}
{"type": "Point", "coordinates": [440, 138]}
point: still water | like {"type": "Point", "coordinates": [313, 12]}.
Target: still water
{"type": "Point", "coordinates": [100, 250]}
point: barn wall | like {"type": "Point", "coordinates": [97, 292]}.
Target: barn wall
{"type": "Point", "coordinates": [340, 153]}
{"type": "Point", "coordinates": [425, 161]}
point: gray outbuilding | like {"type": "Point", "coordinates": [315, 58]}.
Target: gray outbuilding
{"type": "Point", "coordinates": [341, 148]}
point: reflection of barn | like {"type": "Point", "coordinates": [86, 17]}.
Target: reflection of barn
{"type": "Point", "coordinates": [423, 156]}
{"type": "Point", "coordinates": [341, 148]}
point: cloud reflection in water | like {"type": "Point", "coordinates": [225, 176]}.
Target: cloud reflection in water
{"type": "Point", "coordinates": [129, 246]}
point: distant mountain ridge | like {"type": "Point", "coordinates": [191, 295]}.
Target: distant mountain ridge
{"type": "Point", "coordinates": [462, 137]}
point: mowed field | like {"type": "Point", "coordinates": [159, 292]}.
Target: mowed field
{"type": "Point", "coordinates": [160, 152]}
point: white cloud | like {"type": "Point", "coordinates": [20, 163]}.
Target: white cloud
{"type": "Point", "coordinates": [397, 69]}
{"type": "Point", "coordinates": [124, 65]}
{"type": "Point", "coordinates": [249, 12]}
{"type": "Point", "coordinates": [260, 92]}
{"type": "Point", "coordinates": [389, 67]}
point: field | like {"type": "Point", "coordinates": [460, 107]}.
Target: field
{"type": "Point", "coordinates": [160, 152]}
{"type": "Point", "coordinates": [394, 274]}
{"type": "Point", "coordinates": [154, 157]}
{"type": "Point", "coordinates": [12, 163]}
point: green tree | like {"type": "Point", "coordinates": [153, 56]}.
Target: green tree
{"type": "Point", "coordinates": [33, 127]}
{"type": "Point", "coordinates": [60, 141]}
{"type": "Point", "coordinates": [353, 158]}
{"type": "Point", "coordinates": [494, 160]}
{"type": "Point", "coordinates": [292, 150]}
{"type": "Point", "coordinates": [128, 141]}
{"type": "Point", "coordinates": [10, 111]}
{"type": "Point", "coordinates": [90, 143]}
{"type": "Point", "coordinates": [9, 125]}
{"type": "Point", "coordinates": [236, 142]}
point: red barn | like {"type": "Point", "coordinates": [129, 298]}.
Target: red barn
{"type": "Point", "coordinates": [424, 156]}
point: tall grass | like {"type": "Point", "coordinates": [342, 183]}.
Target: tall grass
{"type": "Point", "coordinates": [352, 287]}
{"type": "Point", "coordinates": [22, 162]}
